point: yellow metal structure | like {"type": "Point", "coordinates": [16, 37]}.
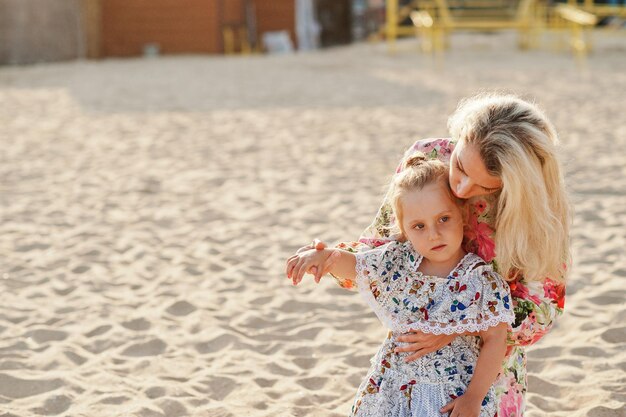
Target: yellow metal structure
{"type": "Point", "coordinates": [394, 15]}
{"type": "Point", "coordinates": [434, 20]}
{"type": "Point", "coordinates": [235, 40]}
{"type": "Point", "coordinates": [581, 18]}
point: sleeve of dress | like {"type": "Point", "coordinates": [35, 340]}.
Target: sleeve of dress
{"type": "Point", "coordinates": [379, 231]}
{"type": "Point", "coordinates": [536, 306]}
{"type": "Point", "coordinates": [377, 277]}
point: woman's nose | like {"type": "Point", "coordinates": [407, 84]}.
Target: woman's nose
{"type": "Point", "coordinates": [463, 188]}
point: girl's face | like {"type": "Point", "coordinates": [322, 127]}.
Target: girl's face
{"type": "Point", "coordinates": [433, 223]}
{"type": "Point", "coordinates": [468, 174]}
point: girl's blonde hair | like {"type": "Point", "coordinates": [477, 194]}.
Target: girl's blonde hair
{"type": "Point", "coordinates": [417, 171]}
{"type": "Point", "coordinates": [518, 144]}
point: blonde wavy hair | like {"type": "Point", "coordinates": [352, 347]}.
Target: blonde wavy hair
{"type": "Point", "coordinates": [518, 144]}
{"type": "Point", "coordinates": [417, 171]}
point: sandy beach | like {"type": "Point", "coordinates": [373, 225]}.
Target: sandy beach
{"type": "Point", "coordinates": [148, 205]}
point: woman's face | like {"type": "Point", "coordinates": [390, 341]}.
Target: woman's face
{"type": "Point", "coordinates": [468, 174]}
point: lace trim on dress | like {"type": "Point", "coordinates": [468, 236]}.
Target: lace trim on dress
{"type": "Point", "coordinates": [471, 326]}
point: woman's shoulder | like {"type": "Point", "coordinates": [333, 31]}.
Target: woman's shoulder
{"type": "Point", "coordinates": [435, 148]}
{"type": "Point", "coordinates": [428, 144]}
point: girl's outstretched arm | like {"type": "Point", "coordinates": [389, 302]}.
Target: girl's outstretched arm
{"type": "Point", "coordinates": [335, 261]}
{"type": "Point", "coordinates": [487, 369]}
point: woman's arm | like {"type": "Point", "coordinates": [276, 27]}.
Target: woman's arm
{"type": "Point", "coordinates": [536, 306]}
{"type": "Point", "coordinates": [488, 367]}
{"type": "Point", "coordinates": [420, 343]}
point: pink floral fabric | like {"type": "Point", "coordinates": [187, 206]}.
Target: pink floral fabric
{"type": "Point", "coordinates": [536, 304]}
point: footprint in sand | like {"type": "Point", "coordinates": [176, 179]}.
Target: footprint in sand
{"type": "Point", "coordinates": [601, 411]}
{"type": "Point", "coordinates": [616, 335]}
{"type": "Point", "coordinates": [81, 269]}
{"type": "Point", "coordinates": [155, 392]}
{"type": "Point", "coordinates": [119, 399]}
{"type": "Point", "coordinates": [45, 335]}
{"type": "Point", "coordinates": [99, 330]}
{"type": "Point", "coordinates": [217, 387]}
{"type": "Point", "coordinates": [312, 383]}
{"type": "Point", "coordinates": [172, 408]}
{"type": "Point", "coordinates": [54, 405]}
{"type": "Point", "coordinates": [547, 389]}
{"type": "Point", "coordinates": [216, 344]}
{"type": "Point", "coordinates": [75, 357]}
{"type": "Point", "coordinates": [137, 324]}
{"type": "Point", "coordinates": [305, 363]}
{"type": "Point", "coordinates": [181, 308]}
{"type": "Point", "coordinates": [31, 246]}
{"type": "Point", "coordinates": [150, 348]}
{"type": "Point", "coordinates": [265, 383]}
{"type": "Point", "coordinates": [590, 351]}
{"type": "Point", "coordinates": [14, 388]}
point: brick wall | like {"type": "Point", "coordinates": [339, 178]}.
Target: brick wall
{"type": "Point", "coordinates": [184, 26]}
{"type": "Point", "coordinates": [177, 26]}
{"type": "Point", "coordinates": [274, 15]}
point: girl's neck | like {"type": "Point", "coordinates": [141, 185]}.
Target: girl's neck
{"type": "Point", "coordinates": [441, 269]}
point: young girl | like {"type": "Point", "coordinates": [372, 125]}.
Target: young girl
{"type": "Point", "coordinates": [426, 281]}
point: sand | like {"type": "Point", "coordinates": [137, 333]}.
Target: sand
{"type": "Point", "coordinates": [148, 205]}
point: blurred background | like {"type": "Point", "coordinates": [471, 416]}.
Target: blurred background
{"type": "Point", "coordinates": [39, 31]}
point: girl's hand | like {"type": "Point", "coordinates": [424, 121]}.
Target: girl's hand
{"type": "Point", "coordinates": [305, 261]}
{"type": "Point", "coordinates": [464, 406]}
{"type": "Point", "coordinates": [423, 343]}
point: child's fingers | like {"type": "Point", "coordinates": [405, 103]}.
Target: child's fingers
{"type": "Point", "coordinates": [291, 263]}
{"type": "Point", "coordinates": [296, 271]}
{"type": "Point", "coordinates": [319, 271]}
{"type": "Point", "coordinates": [303, 269]}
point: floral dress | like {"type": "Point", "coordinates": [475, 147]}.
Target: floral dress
{"type": "Point", "coordinates": [471, 298]}
{"type": "Point", "coordinates": [536, 304]}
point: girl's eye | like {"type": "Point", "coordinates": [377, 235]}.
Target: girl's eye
{"type": "Point", "coordinates": [419, 226]}
{"type": "Point", "coordinates": [444, 219]}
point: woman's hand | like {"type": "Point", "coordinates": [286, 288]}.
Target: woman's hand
{"type": "Point", "coordinates": [464, 406]}
{"type": "Point", "coordinates": [318, 245]}
{"type": "Point", "coordinates": [305, 261]}
{"type": "Point", "coordinates": [423, 343]}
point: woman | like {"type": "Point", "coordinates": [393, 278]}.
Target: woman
{"type": "Point", "coordinates": [503, 160]}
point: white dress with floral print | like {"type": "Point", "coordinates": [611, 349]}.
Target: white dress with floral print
{"type": "Point", "coordinates": [536, 304]}
{"type": "Point", "coordinates": [471, 298]}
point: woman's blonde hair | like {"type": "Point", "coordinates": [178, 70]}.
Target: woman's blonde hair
{"type": "Point", "coordinates": [518, 144]}
{"type": "Point", "coordinates": [417, 171]}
